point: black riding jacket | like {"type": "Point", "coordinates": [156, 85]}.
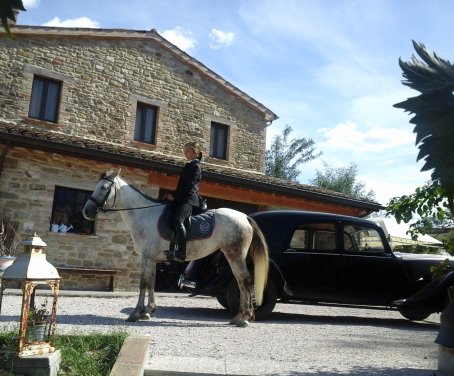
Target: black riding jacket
{"type": "Point", "coordinates": [188, 184]}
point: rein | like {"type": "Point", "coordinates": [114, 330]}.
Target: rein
{"type": "Point", "coordinates": [124, 209]}
{"type": "Point", "coordinates": [101, 204]}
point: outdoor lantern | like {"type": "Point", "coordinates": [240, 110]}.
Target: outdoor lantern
{"type": "Point", "coordinates": [38, 319]}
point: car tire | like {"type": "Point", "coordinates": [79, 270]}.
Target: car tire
{"type": "Point", "coordinates": [262, 312]}
{"type": "Point", "coordinates": [415, 314]}
{"type": "Point", "coordinates": [222, 301]}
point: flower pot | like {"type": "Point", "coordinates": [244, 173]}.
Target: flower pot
{"type": "Point", "coordinates": [5, 262]}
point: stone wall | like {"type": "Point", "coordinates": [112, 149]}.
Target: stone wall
{"type": "Point", "coordinates": [27, 187]}
{"type": "Point", "coordinates": [104, 78]}
{"type": "Point", "coordinates": [102, 81]}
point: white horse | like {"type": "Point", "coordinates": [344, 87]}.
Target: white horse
{"type": "Point", "coordinates": [235, 234]}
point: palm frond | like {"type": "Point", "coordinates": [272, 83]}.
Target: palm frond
{"type": "Point", "coordinates": [433, 77]}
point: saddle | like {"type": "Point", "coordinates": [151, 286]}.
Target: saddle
{"type": "Point", "coordinates": [198, 226]}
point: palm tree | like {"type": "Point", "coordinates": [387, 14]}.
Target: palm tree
{"type": "Point", "coordinates": [433, 77]}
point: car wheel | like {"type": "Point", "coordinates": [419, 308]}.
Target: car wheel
{"type": "Point", "coordinates": [262, 312]}
{"type": "Point", "coordinates": [222, 301]}
{"type": "Point", "coordinates": [415, 314]}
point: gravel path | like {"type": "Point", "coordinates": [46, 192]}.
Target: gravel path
{"type": "Point", "coordinates": [297, 340]}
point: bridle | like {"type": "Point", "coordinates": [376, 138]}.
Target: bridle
{"type": "Point", "coordinates": [100, 203]}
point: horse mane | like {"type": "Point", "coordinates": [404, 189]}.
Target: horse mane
{"type": "Point", "coordinates": [146, 196]}
{"type": "Point", "coordinates": [110, 172]}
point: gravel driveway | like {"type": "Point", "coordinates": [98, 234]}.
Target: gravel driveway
{"type": "Point", "coordinates": [296, 340]}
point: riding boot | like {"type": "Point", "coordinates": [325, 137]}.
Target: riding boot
{"type": "Point", "coordinates": [171, 251]}
{"type": "Point", "coordinates": [180, 253]}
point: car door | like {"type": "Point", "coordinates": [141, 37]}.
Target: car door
{"type": "Point", "coordinates": [310, 264]}
{"type": "Point", "coordinates": [371, 273]}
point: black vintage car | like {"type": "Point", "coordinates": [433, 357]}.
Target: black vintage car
{"type": "Point", "coordinates": [318, 258]}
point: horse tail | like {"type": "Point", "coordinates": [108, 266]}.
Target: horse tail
{"type": "Point", "coordinates": [259, 253]}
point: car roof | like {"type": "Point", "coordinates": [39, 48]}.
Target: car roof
{"type": "Point", "coordinates": [279, 215]}
{"type": "Point", "coordinates": [276, 224]}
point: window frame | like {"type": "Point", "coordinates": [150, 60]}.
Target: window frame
{"type": "Point", "coordinates": [307, 237]}
{"type": "Point", "coordinates": [42, 97]}
{"type": "Point", "coordinates": [362, 239]}
{"type": "Point", "coordinates": [142, 108]}
{"type": "Point", "coordinates": [215, 134]}
{"type": "Point", "coordinates": [72, 208]}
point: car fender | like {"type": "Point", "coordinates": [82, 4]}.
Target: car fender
{"type": "Point", "coordinates": [275, 274]}
{"type": "Point", "coordinates": [432, 295]}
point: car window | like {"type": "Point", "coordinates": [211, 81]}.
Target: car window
{"type": "Point", "coordinates": [315, 236]}
{"type": "Point", "coordinates": [359, 238]}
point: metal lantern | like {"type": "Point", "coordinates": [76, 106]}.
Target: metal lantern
{"type": "Point", "coordinates": [38, 322]}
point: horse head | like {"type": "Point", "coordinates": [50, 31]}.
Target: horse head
{"type": "Point", "coordinates": [102, 194]}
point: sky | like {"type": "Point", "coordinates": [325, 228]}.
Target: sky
{"type": "Point", "coordinates": [328, 68]}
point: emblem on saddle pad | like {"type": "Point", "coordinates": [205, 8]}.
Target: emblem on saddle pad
{"type": "Point", "coordinates": [201, 226]}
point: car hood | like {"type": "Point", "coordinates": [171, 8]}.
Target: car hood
{"type": "Point", "coordinates": [423, 256]}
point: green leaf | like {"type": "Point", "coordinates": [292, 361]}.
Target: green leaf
{"type": "Point", "coordinates": [6, 27]}
{"type": "Point", "coordinates": [433, 77]}
{"type": "Point", "coordinates": [7, 8]}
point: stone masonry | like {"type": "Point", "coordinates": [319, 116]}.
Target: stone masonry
{"type": "Point", "coordinates": [27, 187]}
{"type": "Point", "coordinates": [104, 76]}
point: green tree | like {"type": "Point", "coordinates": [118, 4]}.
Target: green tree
{"type": "Point", "coordinates": [432, 204]}
{"type": "Point", "coordinates": [7, 8]}
{"type": "Point", "coordinates": [285, 156]}
{"type": "Point", "coordinates": [343, 180]}
{"type": "Point", "coordinates": [433, 77]}
{"type": "Point", "coordinates": [429, 208]}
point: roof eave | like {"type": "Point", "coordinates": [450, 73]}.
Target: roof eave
{"type": "Point", "coordinates": [160, 166]}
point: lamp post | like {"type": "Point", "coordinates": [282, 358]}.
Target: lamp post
{"type": "Point", "coordinates": [37, 323]}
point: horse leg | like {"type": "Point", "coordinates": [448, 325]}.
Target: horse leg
{"type": "Point", "coordinates": [135, 315]}
{"type": "Point", "coordinates": [150, 308]}
{"type": "Point", "coordinates": [146, 280]}
{"type": "Point", "coordinates": [245, 308]}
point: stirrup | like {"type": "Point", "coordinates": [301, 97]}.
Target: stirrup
{"type": "Point", "coordinates": [169, 255]}
{"type": "Point", "coordinates": [178, 258]}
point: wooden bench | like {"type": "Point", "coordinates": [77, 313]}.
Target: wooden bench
{"type": "Point", "coordinates": [77, 270]}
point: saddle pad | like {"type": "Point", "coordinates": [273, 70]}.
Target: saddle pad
{"type": "Point", "coordinates": [202, 226]}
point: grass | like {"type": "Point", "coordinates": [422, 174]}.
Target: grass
{"type": "Point", "coordinates": [82, 355]}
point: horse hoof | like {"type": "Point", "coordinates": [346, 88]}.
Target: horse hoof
{"type": "Point", "coordinates": [145, 316]}
{"type": "Point", "coordinates": [243, 324]}
{"type": "Point", "coordinates": [131, 319]}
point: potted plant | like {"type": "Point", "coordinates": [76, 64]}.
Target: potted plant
{"type": "Point", "coordinates": [37, 323]}
{"type": "Point", "coordinates": [8, 242]}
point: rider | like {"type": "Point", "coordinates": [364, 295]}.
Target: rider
{"type": "Point", "coordinates": [184, 198]}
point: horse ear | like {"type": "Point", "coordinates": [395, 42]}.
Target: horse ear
{"type": "Point", "coordinates": [111, 174]}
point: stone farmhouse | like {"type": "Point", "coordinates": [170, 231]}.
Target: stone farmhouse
{"type": "Point", "coordinates": [78, 102]}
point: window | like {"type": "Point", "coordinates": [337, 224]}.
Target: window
{"type": "Point", "coordinates": [67, 211]}
{"type": "Point", "coordinates": [145, 129]}
{"type": "Point", "coordinates": [218, 140]}
{"type": "Point", "coordinates": [45, 99]}
{"type": "Point", "coordinates": [362, 239]}
{"type": "Point", "coordinates": [317, 236]}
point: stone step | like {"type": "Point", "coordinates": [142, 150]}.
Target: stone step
{"type": "Point", "coordinates": [133, 356]}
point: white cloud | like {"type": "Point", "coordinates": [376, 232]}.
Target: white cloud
{"type": "Point", "coordinates": [221, 38]}
{"type": "Point", "coordinates": [348, 136]}
{"type": "Point", "coordinates": [30, 4]}
{"type": "Point", "coordinates": [84, 22]}
{"type": "Point", "coordinates": [395, 182]}
{"type": "Point", "coordinates": [181, 38]}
